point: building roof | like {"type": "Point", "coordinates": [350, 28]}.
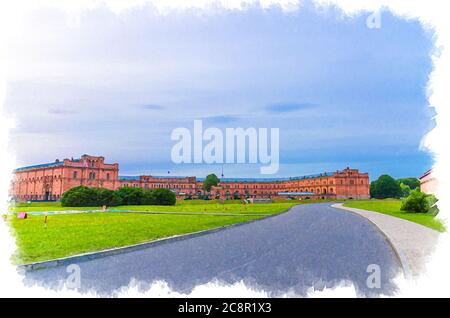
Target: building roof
{"type": "Point", "coordinates": [426, 174]}
{"type": "Point", "coordinates": [43, 165]}
{"type": "Point", "coordinates": [311, 176]}
{"type": "Point", "coordinates": [130, 178]}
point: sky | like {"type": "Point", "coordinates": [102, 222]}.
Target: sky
{"type": "Point", "coordinates": [116, 85]}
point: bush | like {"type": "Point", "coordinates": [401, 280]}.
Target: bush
{"type": "Point", "coordinates": [432, 200]}
{"type": "Point", "coordinates": [85, 196]}
{"type": "Point", "coordinates": [108, 197]}
{"type": "Point", "coordinates": [163, 197]}
{"type": "Point", "coordinates": [419, 202]}
{"type": "Point", "coordinates": [131, 196]}
{"type": "Point", "coordinates": [80, 196]}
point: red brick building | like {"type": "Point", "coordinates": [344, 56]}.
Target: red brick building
{"type": "Point", "coordinates": [49, 181]}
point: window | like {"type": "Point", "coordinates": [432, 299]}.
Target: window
{"type": "Point", "coordinates": [107, 176]}
{"type": "Point", "coordinates": [75, 174]}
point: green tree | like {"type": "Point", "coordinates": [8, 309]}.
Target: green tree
{"type": "Point", "coordinates": [385, 187]}
{"type": "Point", "coordinates": [406, 190]}
{"type": "Point", "coordinates": [412, 183]}
{"type": "Point", "coordinates": [210, 181]}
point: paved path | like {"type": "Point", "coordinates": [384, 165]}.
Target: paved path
{"type": "Point", "coordinates": [311, 245]}
{"type": "Point", "coordinates": [414, 243]}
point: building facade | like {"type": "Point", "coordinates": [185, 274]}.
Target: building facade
{"type": "Point", "coordinates": [428, 182]}
{"type": "Point", "coordinates": [47, 182]}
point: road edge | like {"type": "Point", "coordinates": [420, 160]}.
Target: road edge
{"type": "Point", "coordinates": [404, 263]}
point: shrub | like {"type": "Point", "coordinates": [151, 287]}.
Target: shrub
{"type": "Point", "coordinates": [80, 196]}
{"type": "Point", "coordinates": [163, 197]}
{"type": "Point", "coordinates": [85, 196]}
{"type": "Point", "coordinates": [108, 197]}
{"type": "Point", "coordinates": [147, 197]}
{"type": "Point", "coordinates": [432, 200]}
{"type": "Point", "coordinates": [130, 196]}
{"type": "Point", "coordinates": [419, 202]}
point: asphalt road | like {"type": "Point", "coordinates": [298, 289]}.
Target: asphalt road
{"type": "Point", "coordinates": [312, 245]}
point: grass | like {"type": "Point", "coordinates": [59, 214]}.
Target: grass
{"type": "Point", "coordinates": [212, 206]}
{"type": "Point", "coordinates": [72, 234]}
{"type": "Point", "coordinates": [392, 207]}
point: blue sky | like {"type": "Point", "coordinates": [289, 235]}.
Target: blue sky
{"type": "Point", "coordinates": [117, 85]}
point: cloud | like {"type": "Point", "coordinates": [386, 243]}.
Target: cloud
{"type": "Point", "coordinates": [221, 119]}
{"type": "Point", "coordinates": [63, 112]}
{"type": "Point", "coordinates": [152, 107]}
{"type": "Point", "coordinates": [288, 107]}
{"type": "Point", "coordinates": [122, 73]}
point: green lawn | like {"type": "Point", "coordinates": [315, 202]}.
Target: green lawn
{"type": "Point", "coordinates": [392, 207]}
{"type": "Point", "coordinates": [212, 206]}
{"type": "Point", "coordinates": [72, 234]}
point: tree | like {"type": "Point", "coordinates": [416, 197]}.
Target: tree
{"type": "Point", "coordinates": [406, 190]}
{"type": "Point", "coordinates": [210, 181]}
{"type": "Point", "coordinates": [412, 183]}
{"type": "Point", "coordinates": [385, 187]}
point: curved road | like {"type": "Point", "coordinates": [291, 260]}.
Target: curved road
{"type": "Point", "coordinates": [311, 245]}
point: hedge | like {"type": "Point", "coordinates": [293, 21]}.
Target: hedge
{"type": "Point", "coordinates": [86, 196]}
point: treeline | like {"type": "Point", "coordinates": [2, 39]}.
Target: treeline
{"type": "Point", "coordinates": [407, 189]}
{"type": "Point", "coordinates": [85, 196]}
{"type": "Point", "coordinates": [387, 187]}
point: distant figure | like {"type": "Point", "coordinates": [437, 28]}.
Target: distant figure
{"type": "Point", "coordinates": [104, 207]}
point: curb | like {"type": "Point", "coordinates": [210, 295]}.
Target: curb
{"type": "Point", "coordinates": [131, 248]}
{"type": "Point", "coordinates": [404, 264]}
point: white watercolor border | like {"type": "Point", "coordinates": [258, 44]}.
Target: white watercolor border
{"type": "Point", "coordinates": [430, 13]}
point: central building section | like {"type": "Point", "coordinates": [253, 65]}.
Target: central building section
{"type": "Point", "coordinates": [47, 182]}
